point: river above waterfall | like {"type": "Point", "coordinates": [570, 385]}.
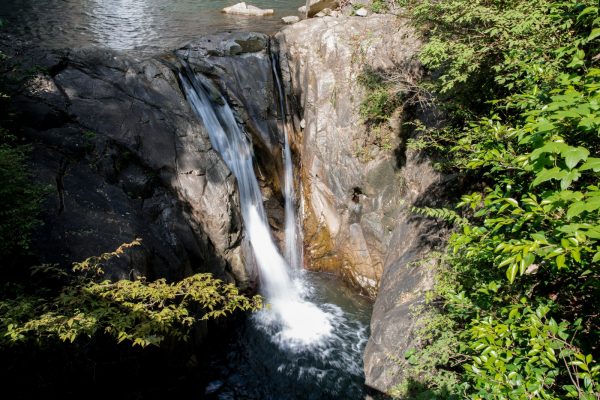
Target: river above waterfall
{"type": "Point", "coordinates": [143, 25]}
{"type": "Point", "coordinates": [254, 366]}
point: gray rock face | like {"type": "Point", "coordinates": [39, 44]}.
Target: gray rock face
{"type": "Point", "coordinates": [358, 187]}
{"type": "Point", "coordinates": [354, 189]}
{"type": "Point", "coordinates": [118, 141]}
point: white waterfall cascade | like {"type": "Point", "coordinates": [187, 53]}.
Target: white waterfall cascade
{"type": "Point", "coordinates": [293, 321]}
{"type": "Point", "coordinates": [293, 253]}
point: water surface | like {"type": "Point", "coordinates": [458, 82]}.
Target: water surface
{"type": "Point", "coordinates": [143, 25]}
{"type": "Point", "coordinates": [255, 366]}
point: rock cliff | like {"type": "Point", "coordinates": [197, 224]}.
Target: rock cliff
{"type": "Point", "coordinates": [358, 187]}
{"type": "Point", "coordinates": [117, 141]}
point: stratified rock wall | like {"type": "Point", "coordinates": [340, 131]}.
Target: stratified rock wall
{"type": "Point", "coordinates": [359, 187]}
{"type": "Point", "coordinates": [353, 188]}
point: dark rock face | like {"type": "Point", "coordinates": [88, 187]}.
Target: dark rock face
{"type": "Point", "coordinates": [240, 64]}
{"type": "Point", "coordinates": [119, 143]}
{"type": "Point", "coordinates": [358, 193]}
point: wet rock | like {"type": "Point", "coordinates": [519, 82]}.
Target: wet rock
{"type": "Point", "coordinates": [247, 83]}
{"type": "Point", "coordinates": [246, 9]}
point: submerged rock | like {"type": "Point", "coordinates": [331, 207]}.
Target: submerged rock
{"type": "Point", "coordinates": [247, 9]}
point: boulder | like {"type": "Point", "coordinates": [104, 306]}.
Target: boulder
{"type": "Point", "coordinates": [247, 9]}
{"type": "Point", "coordinates": [290, 19]}
{"type": "Point", "coordinates": [128, 159]}
{"type": "Point", "coordinates": [318, 5]}
{"type": "Point", "coordinates": [361, 12]}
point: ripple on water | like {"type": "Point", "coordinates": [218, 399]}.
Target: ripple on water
{"type": "Point", "coordinates": [144, 25]}
{"type": "Point", "coordinates": [270, 365]}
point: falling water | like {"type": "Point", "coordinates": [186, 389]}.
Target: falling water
{"type": "Point", "coordinates": [299, 323]}
{"type": "Point", "coordinates": [292, 248]}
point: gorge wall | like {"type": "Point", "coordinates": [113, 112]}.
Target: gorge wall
{"type": "Point", "coordinates": [359, 183]}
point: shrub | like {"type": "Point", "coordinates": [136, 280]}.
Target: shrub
{"type": "Point", "coordinates": [521, 276]}
{"type": "Point", "coordinates": [140, 312]}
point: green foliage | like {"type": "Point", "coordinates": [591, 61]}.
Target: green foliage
{"type": "Point", "coordinates": [442, 214]}
{"type": "Point", "coordinates": [521, 278]}
{"type": "Point", "coordinates": [140, 312]}
{"type": "Point", "coordinates": [20, 196]}
{"type": "Point", "coordinates": [379, 6]}
{"type": "Point", "coordinates": [21, 200]}
{"type": "Point", "coordinates": [437, 345]}
{"type": "Point", "coordinates": [380, 101]}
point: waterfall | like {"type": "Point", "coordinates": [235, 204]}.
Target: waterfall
{"type": "Point", "coordinates": [293, 321]}
{"type": "Point", "coordinates": [293, 254]}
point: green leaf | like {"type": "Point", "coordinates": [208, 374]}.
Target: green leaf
{"type": "Point", "coordinates": [575, 209]}
{"type": "Point", "coordinates": [511, 272]}
{"type": "Point", "coordinates": [526, 261]}
{"type": "Point", "coordinates": [551, 147]}
{"type": "Point", "coordinates": [512, 202]}
{"type": "Point", "coordinates": [591, 163]}
{"type": "Point", "coordinates": [568, 178]}
{"type": "Point", "coordinates": [595, 33]}
{"type": "Point", "coordinates": [587, 11]}
{"type": "Point", "coordinates": [548, 174]}
{"type": "Point", "coordinates": [574, 155]}
{"type": "Point", "coordinates": [560, 261]}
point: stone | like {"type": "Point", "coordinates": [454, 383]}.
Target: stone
{"type": "Point", "coordinates": [316, 6]}
{"type": "Point", "coordinates": [290, 19]}
{"type": "Point", "coordinates": [361, 12]}
{"type": "Point", "coordinates": [247, 9]}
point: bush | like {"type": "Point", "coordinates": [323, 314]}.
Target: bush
{"type": "Point", "coordinates": [521, 280]}
{"type": "Point", "coordinates": [140, 312]}
{"type": "Point", "coordinates": [21, 201]}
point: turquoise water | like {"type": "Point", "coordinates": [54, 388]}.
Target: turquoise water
{"type": "Point", "coordinates": [144, 25]}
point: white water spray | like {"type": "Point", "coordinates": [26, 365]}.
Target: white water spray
{"type": "Point", "coordinates": [298, 323]}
